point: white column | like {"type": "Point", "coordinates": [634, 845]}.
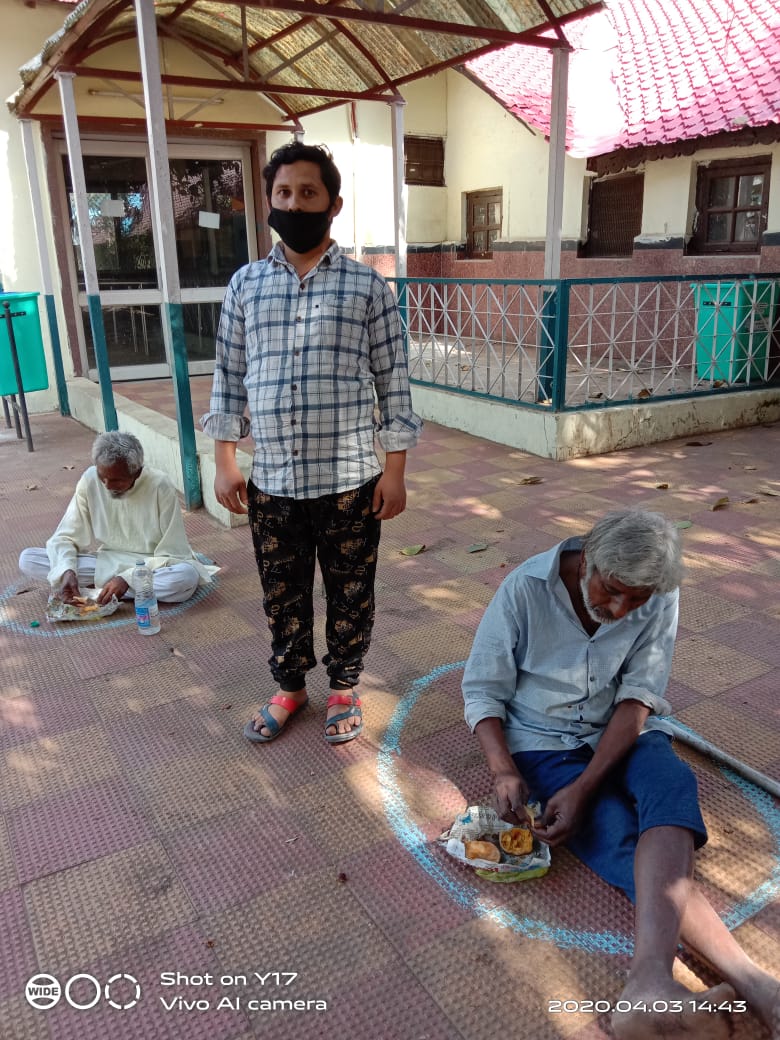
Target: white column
{"type": "Point", "coordinates": [556, 161]}
{"type": "Point", "coordinates": [88, 263]}
{"type": "Point", "coordinates": [162, 199]}
{"type": "Point", "coordinates": [399, 193]}
{"type": "Point", "coordinates": [165, 248]}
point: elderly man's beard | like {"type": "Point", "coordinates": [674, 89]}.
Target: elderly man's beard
{"type": "Point", "coordinates": [602, 617]}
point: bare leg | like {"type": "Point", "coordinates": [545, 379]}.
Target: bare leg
{"type": "Point", "coordinates": [705, 933]}
{"type": "Point", "coordinates": [663, 869]}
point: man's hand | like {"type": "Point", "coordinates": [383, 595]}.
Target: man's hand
{"type": "Point", "coordinates": [389, 496]}
{"type": "Point", "coordinates": [390, 491]}
{"type": "Point", "coordinates": [113, 587]}
{"type": "Point", "coordinates": [69, 587]}
{"type": "Point", "coordinates": [230, 488]}
{"type": "Point", "coordinates": [511, 795]}
{"type": "Point", "coordinates": [562, 815]}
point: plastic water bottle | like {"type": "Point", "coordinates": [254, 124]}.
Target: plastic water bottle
{"type": "Point", "coordinates": [147, 613]}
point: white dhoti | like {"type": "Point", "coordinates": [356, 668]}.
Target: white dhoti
{"type": "Point", "coordinates": [172, 584]}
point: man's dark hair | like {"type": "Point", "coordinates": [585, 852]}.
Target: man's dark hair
{"type": "Point", "coordinates": [297, 151]}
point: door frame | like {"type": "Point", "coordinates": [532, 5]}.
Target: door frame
{"type": "Point", "coordinates": [138, 147]}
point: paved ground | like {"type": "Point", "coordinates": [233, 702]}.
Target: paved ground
{"type": "Point", "coordinates": [141, 834]}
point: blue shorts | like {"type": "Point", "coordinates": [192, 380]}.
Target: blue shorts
{"type": "Point", "coordinates": [651, 787]}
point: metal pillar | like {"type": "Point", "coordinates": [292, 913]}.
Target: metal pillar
{"type": "Point", "coordinates": [553, 230]}
{"type": "Point", "coordinates": [168, 266]}
{"type": "Point", "coordinates": [399, 194]}
{"type": "Point", "coordinates": [45, 261]}
{"type": "Point", "coordinates": [556, 163]}
{"type": "Point", "coordinates": [76, 161]}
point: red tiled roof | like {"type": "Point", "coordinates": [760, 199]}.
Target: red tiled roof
{"type": "Point", "coordinates": [647, 72]}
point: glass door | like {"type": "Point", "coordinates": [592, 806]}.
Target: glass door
{"type": "Point", "coordinates": [211, 225]}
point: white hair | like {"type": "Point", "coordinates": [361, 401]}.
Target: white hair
{"type": "Point", "coordinates": [639, 549]}
{"type": "Point", "coordinates": [113, 447]}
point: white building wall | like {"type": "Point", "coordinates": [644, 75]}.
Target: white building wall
{"type": "Point", "coordinates": [20, 269]}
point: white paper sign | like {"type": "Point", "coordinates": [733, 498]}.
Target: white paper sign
{"type": "Point", "coordinates": [112, 208]}
{"type": "Point", "coordinates": [209, 220]}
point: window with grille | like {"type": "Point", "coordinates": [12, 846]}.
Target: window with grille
{"type": "Point", "coordinates": [483, 222]}
{"type": "Point", "coordinates": [732, 198]}
{"type": "Point", "coordinates": [614, 215]}
{"type": "Point", "coordinates": [424, 160]}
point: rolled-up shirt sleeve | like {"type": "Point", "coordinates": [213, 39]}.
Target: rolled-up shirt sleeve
{"type": "Point", "coordinates": [400, 426]}
{"type": "Point", "coordinates": [490, 675]}
{"type": "Point", "coordinates": [225, 419]}
{"type": "Point", "coordinates": [645, 675]}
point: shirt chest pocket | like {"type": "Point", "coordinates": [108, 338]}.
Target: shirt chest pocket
{"type": "Point", "coordinates": [348, 315]}
{"type": "Point", "coordinates": [338, 328]}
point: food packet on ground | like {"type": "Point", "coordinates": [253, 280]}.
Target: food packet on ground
{"type": "Point", "coordinates": [475, 838]}
{"type": "Point", "coordinates": [84, 607]}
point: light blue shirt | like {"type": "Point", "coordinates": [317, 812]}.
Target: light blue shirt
{"type": "Point", "coordinates": [553, 686]}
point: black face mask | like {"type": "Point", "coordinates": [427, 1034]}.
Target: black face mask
{"type": "Point", "coordinates": [301, 231]}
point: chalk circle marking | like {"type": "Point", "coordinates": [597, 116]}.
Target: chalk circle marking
{"type": "Point", "coordinates": [468, 896]}
{"type": "Point", "coordinates": [58, 629]}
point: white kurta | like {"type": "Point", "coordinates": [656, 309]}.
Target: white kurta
{"type": "Point", "coordinates": [145, 523]}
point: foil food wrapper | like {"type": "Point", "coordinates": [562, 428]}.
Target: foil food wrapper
{"type": "Point", "coordinates": [482, 823]}
{"type": "Point", "coordinates": [87, 609]}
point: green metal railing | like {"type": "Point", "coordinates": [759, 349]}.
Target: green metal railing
{"type": "Point", "coordinates": [592, 342]}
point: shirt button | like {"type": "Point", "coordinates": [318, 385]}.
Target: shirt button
{"type": "Point", "coordinates": [294, 386]}
{"type": "Point", "coordinates": [592, 678]}
{"type": "Point", "coordinates": [297, 353]}
{"type": "Point", "coordinates": [295, 451]}
{"type": "Point", "coordinates": [299, 318]}
{"type": "Point", "coordinates": [293, 422]}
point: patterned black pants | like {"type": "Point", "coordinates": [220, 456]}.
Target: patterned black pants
{"type": "Point", "coordinates": [342, 533]}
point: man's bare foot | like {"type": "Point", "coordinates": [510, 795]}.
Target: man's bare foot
{"type": "Point", "coordinates": [661, 1007]}
{"type": "Point", "coordinates": [763, 997]}
{"type": "Point", "coordinates": [277, 712]}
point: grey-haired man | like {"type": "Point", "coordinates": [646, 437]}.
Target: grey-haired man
{"type": "Point", "coordinates": [563, 688]}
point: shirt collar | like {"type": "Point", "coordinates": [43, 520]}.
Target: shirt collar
{"type": "Point", "coordinates": [328, 258]}
{"type": "Point", "coordinates": [547, 564]}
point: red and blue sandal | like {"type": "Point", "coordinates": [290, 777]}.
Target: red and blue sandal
{"type": "Point", "coordinates": [354, 711]}
{"type": "Point", "coordinates": [270, 722]}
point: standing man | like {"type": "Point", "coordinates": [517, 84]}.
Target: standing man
{"type": "Point", "coordinates": [563, 687]}
{"type": "Point", "coordinates": [311, 342]}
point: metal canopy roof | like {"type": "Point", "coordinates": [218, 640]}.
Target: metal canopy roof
{"type": "Point", "coordinates": [303, 55]}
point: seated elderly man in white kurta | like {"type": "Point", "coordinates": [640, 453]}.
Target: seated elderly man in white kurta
{"type": "Point", "coordinates": [133, 514]}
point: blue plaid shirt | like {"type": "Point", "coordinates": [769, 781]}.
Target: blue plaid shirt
{"type": "Point", "coordinates": [307, 356]}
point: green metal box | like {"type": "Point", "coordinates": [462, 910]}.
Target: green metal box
{"type": "Point", "coordinates": [734, 322]}
{"type": "Point", "coordinates": [29, 344]}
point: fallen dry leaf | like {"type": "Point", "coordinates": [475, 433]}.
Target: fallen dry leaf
{"type": "Point", "coordinates": [697, 444]}
{"type": "Point", "coordinates": [764, 489]}
{"type": "Point", "coordinates": [33, 487]}
{"type": "Point", "coordinates": [477, 547]}
{"type": "Point", "coordinates": [721, 503]}
{"type": "Point", "coordinates": [682, 524]}
{"type": "Point", "coordinates": [644, 393]}
{"type": "Point", "coordinates": [530, 480]}
{"type": "Point", "coordinates": [412, 550]}
{"type": "Point", "coordinates": [662, 487]}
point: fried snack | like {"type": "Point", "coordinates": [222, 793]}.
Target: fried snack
{"type": "Point", "coordinates": [482, 850]}
{"type": "Point", "coordinates": [517, 842]}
